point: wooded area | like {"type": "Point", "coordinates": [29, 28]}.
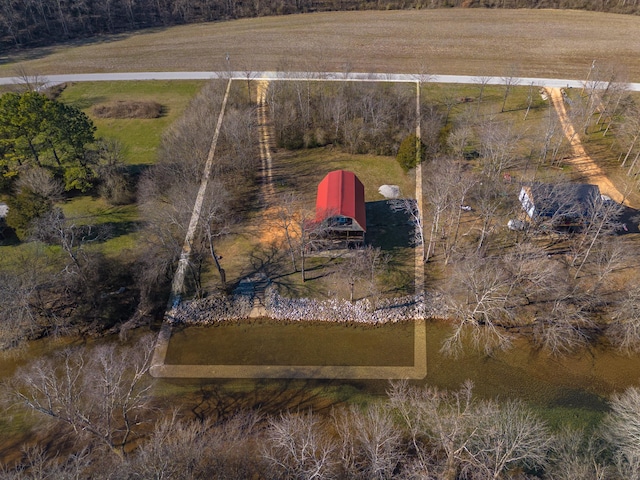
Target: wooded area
{"type": "Point", "coordinates": [44, 22]}
{"type": "Point", "coordinates": [98, 401]}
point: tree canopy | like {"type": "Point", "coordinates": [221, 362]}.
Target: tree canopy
{"type": "Point", "coordinates": [38, 131]}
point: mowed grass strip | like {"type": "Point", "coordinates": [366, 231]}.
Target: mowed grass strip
{"type": "Point", "coordinates": [545, 43]}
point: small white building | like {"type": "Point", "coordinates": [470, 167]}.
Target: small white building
{"type": "Point", "coordinates": [4, 209]}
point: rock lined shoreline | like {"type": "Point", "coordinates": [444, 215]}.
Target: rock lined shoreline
{"type": "Point", "coordinates": [218, 309]}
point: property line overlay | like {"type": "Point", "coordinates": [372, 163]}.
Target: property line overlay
{"type": "Point", "coordinates": [417, 371]}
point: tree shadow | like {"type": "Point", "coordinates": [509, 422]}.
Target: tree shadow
{"type": "Point", "coordinates": [224, 399]}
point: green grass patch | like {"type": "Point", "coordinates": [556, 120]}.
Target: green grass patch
{"type": "Point", "coordinates": [558, 418]}
{"type": "Point", "coordinates": [120, 222]}
{"type": "Point", "coordinates": [140, 137]}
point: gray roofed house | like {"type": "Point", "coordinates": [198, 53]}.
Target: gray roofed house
{"type": "Point", "coordinates": [562, 204]}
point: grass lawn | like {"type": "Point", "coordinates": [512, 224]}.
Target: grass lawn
{"type": "Point", "coordinates": [119, 221]}
{"type": "Point", "coordinates": [300, 172]}
{"type": "Point", "coordinates": [140, 137]}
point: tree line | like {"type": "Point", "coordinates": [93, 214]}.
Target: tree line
{"type": "Point", "coordinates": [98, 400]}
{"type": "Point", "coordinates": [42, 22]}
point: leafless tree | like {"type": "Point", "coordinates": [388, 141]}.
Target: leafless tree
{"type": "Point", "coordinates": [115, 184]}
{"type": "Point", "coordinates": [535, 275]}
{"type": "Point", "coordinates": [481, 83]}
{"type": "Point", "coordinates": [509, 80]}
{"type": "Point", "coordinates": [439, 424]}
{"type": "Point", "coordinates": [298, 446]}
{"type": "Point", "coordinates": [214, 221]}
{"type": "Point", "coordinates": [40, 181]}
{"type": "Point", "coordinates": [489, 199]}
{"type": "Point", "coordinates": [564, 327]}
{"type": "Point", "coordinates": [507, 436]}
{"type": "Point", "coordinates": [27, 81]}
{"type": "Point", "coordinates": [448, 185]}
{"type": "Point", "coordinates": [623, 431]}
{"type": "Point", "coordinates": [629, 133]}
{"type": "Point", "coordinates": [38, 463]}
{"type": "Point", "coordinates": [600, 220]}
{"type": "Point", "coordinates": [287, 209]}
{"type": "Point", "coordinates": [370, 442]}
{"type": "Point", "coordinates": [361, 267]}
{"type": "Point", "coordinates": [181, 447]}
{"type": "Point", "coordinates": [73, 237]}
{"type": "Point", "coordinates": [21, 285]}
{"type": "Point", "coordinates": [499, 143]}
{"type": "Point", "coordinates": [576, 454]}
{"type": "Point", "coordinates": [100, 393]}
{"type": "Point", "coordinates": [479, 296]}
{"type": "Point", "coordinates": [623, 331]}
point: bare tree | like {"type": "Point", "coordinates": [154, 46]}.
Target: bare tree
{"type": "Point", "coordinates": [39, 463]}
{"type": "Point", "coordinates": [600, 219]}
{"type": "Point", "coordinates": [575, 454]}
{"type": "Point", "coordinates": [214, 221]}
{"type": "Point", "coordinates": [361, 267]}
{"type": "Point", "coordinates": [507, 436]}
{"type": "Point", "coordinates": [479, 296]}
{"type": "Point", "coordinates": [482, 82]}
{"type": "Point", "coordinates": [181, 447]}
{"type": "Point", "coordinates": [509, 80]}
{"type": "Point", "coordinates": [499, 143]}
{"type": "Point", "coordinates": [370, 442]}
{"type": "Point", "coordinates": [73, 237]}
{"type": "Point", "coordinates": [298, 446]}
{"type": "Point", "coordinates": [27, 81]}
{"type": "Point", "coordinates": [623, 431]}
{"type": "Point", "coordinates": [287, 210]}
{"type": "Point", "coordinates": [439, 424]}
{"type": "Point", "coordinates": [565, 327]}
{"type": "Point", "coordinates": [100, 393]}
{"type": "Point", "coordinates": [42, 182]}
{"type": "Point", "coordinates": [624, 329]}
{"type": "Point", "coordinates": [409, 206]}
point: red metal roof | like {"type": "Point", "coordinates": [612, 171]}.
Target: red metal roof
{"type": "Point", "coordinates": [341, 193]}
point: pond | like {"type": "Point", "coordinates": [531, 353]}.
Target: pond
{"type": "Point", "coordinates": [579, 382]}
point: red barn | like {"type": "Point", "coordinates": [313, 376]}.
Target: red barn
{"type": "Point", "coordinates": [340, 207]}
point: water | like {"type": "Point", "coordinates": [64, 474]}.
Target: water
{"type": "Point", "coordinates": [582, 381]}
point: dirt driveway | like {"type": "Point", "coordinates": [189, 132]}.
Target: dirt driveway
{"type": "Point", "coordinates": [580, 160]}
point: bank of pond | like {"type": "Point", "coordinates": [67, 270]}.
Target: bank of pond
{"type": "Point", "coordinates": [572, 388]}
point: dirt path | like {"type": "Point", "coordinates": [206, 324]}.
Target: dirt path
{"type": "Point", "coordinates": [265, 128]}
{"type": "Point", "coordinates": [580, 160]}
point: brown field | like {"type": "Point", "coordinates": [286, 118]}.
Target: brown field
{"type": "Point", "coordinates": [544, 43]}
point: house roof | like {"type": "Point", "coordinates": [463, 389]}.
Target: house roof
{"type": "Point", "coordinates": [563, 199]}
{"type": "Point", "coordinates": [4, 209]}
{"type": "Point", "coordinates": [341, 193]}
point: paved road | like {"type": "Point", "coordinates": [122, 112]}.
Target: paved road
{"type": "Point", "coordinates": [327, 76]}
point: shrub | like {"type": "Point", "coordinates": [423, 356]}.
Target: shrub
{"type": "Point", "coordinates": [406, 156]}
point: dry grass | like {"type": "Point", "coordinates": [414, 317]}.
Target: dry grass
{"type": "Point", "coordinates": [546, 43]}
